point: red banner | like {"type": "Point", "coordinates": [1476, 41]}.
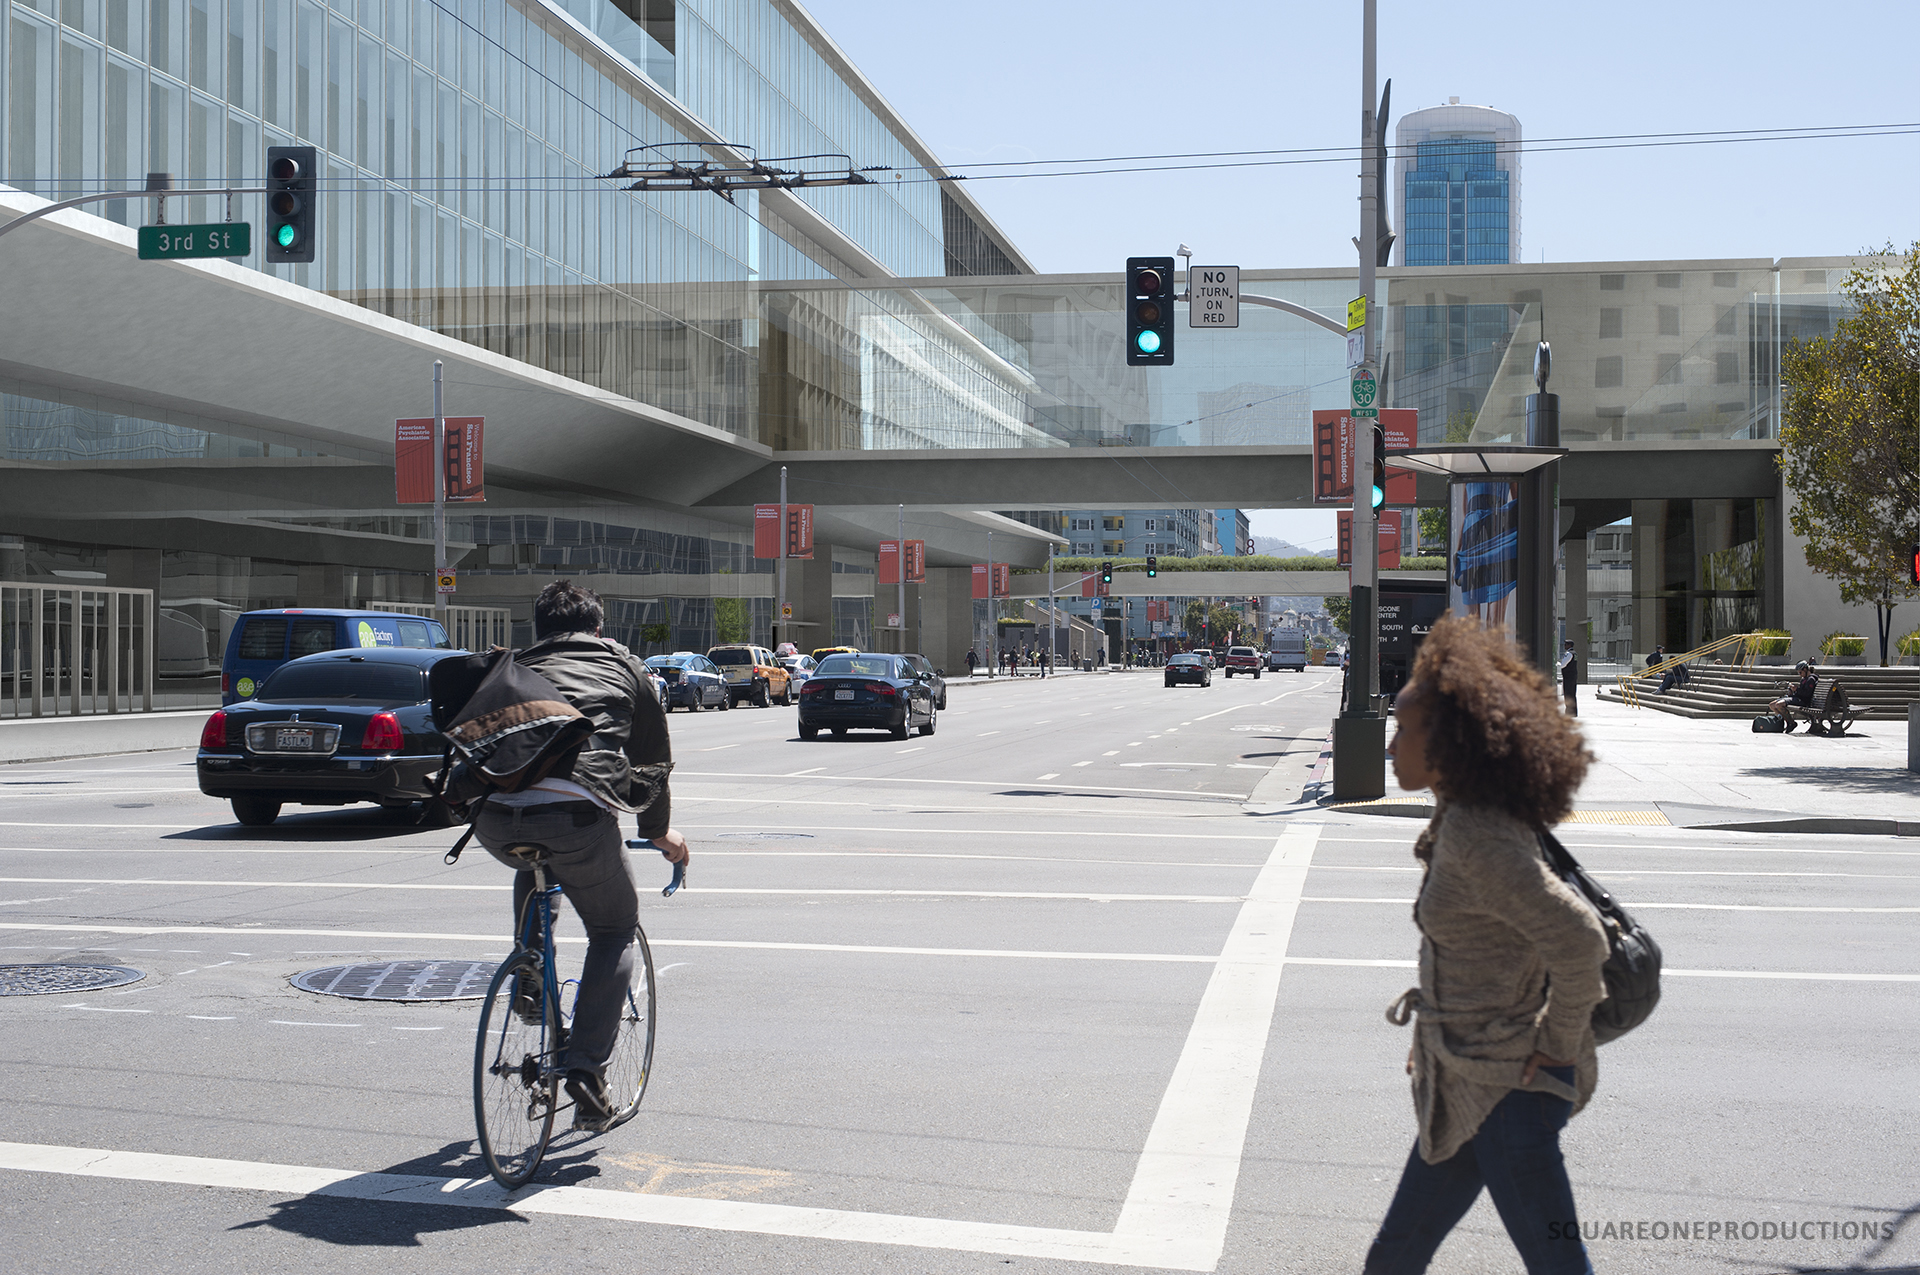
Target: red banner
{"type": "Point", "coordinates": [1333, 459]}
{"type": "Point", "coordinates": [979, 579]}
{"type": "Point", "coordinates": [916, 560]}
{"type": "Point", "coordinates": [1388, 546]}
{"type": "Point", "coordinates": [888, 562]}
{"type": "Point", "coordinates": [466, 475]}
{"type": "Point", "coordinates": [1002, 580]}
{"type": "Point", "coordinates": [1091, 586]}
{"type": "Point", "coordinates": [413, 461]}
{"type": "Point", "coordinates": [766, 531]}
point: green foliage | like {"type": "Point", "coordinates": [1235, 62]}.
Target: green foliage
{"type": "Point", "coordinates": [1429, 562]}
{"type": "Point", "coordinates": [1910, 644]}
{"type": "Point", "coordinates": [1434, 525]}
{"type": "Point", "coordinates": [1221, 622]}
{"type": "Point", "coordinates": [655, 634]}
{"type": "Point", "coordinates": [1781, 645]}
{"type": "Point", "coordinates": [1340, 611]}
{"type": "Point", "coordinates": [1842, 644]}
{"type": "Point", "coordinates": [1850, 439]}
{"type": "Point", "coordinates": [1170, 566]}
{"type": "Point", "coordinates": [730, 620]}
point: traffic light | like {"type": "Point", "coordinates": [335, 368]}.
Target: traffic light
{"type": "Point", "coordinates": [1379, 467]}
{"type": "Point", "coordinates": [290, 203]}
{"type": "Point", "coordinates": [1106, 572]}
{"type": "Point", "coordinates": [1149, 311]}
{"type": "Point", "coordinates": [1153, 566]}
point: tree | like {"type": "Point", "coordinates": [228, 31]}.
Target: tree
{"type": "Point", "coordinates": [1215, 624]}
{"type": "Point", "coordinates": [1850, 439]}
{"type": "Point", "coordinates": [1340, 611]}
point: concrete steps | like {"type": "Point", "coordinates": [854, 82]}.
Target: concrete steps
{"type": "Point", "coordinates": [1877, 694]}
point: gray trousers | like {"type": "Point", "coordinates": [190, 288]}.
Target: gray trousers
{"type": "Point", "coordinates": [587, 858]}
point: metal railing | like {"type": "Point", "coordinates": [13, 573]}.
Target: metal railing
{"type": "Point", "coordinates": [70, 650]}
{"type": "Point", "coordinates": [1747, 651]}
{"type": "Point", "coordinates": [469, 628]}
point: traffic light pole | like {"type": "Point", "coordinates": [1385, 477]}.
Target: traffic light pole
{"type": "Point", "coordinates": [1359, 733]}
{"type": "Point", "coordinates": [439, 498]}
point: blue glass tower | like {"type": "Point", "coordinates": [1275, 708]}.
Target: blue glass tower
{"type": "Point", "coordinates": [1459, 186]}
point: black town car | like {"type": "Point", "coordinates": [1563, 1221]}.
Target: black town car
{"type": "Point", "coordinates": [327, 730]}
{"type": "Point", "coordinates": [1189, 668]}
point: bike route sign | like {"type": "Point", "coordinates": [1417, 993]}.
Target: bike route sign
{"type": "Point", "coordinates": [1364, 390]}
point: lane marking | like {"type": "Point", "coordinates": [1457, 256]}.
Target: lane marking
{"type": "Point", "coordinates": [916, 748]}
{"type": "Point", "coordinates": [284, 1022]}
{"type": "Point", "coordinates": [620, 1206]}
{"type": "Point", "coordinates": [969, 783]}
{"type": "Point", "coordinates": [1814, 976]}
{"type": "Point", "coordinates": [984, 734]}
{"type": "Point", "coordinates": [1100, 896]}
{"type": "Point", "coordinates": [107, 1009]}
{"type": "Point", "coordinates": [1084, 763]}
{"type": "Point", "coordinates": [716, 748]}
{"type": "Point", "coordinates": [1111, 753]}
{"type": "Point", "coordinates": [1051, 775]}
{"type": "Point", "coordinates": [811, 770]}
{"type": "Point", "coordinates": [1640, 906]}
{"type": "Point", "coordinates": [1183, 1185]}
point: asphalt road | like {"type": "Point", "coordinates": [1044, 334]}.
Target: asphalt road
{"type": "Point", "coordinates": [1036, 992]}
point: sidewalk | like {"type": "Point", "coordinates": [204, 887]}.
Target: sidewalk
{"type": "Point", "coordinates": [98, 734]}
{"type": "Point", "coordinates": [1656, 768]}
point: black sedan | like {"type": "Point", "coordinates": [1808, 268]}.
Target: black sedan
{"type": "Point", "coordinates": [326, 730]}
{"type": "Point", "coordinates": [872, 692]}
{"type": "Point", "coordinates": [694, 682]}
{"type": "Point", "coordinates": [1189, 668]}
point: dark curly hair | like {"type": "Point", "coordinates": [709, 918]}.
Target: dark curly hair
{"type": "Point", "coordinates": [1495, 733]}
{"type": "Point", "coordinates": [565, 607]}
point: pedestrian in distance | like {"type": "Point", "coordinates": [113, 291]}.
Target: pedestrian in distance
{"type": "Point", "coordinates": [1510, 957]}
{"type": "Point", "coordinates": [1799, 695]}
{"type": "Point", "coordinates": [575, 813]}
{"type": "Point", "coordinates": [1569, 680]}
{"type": "Point", "coordinates": [973, 662]}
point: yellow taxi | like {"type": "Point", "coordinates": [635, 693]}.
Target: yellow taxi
{"type": "Point", "coordinates": [753, 674]}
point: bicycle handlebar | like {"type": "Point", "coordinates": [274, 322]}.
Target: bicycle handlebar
{"type": "Point", "coordinates": [679, 869]}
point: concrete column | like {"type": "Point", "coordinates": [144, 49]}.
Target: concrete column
{"type": "Point", "coordinates": [944, 623]}
{"type": "Point", "coordinates": [810, 590]}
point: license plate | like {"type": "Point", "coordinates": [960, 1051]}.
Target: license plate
{"type": "Point", "coordinates": [843, 694]}
{"type": "Point", "coordinates": [290, 741]}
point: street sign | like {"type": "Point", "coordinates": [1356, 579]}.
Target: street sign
{"type": "Point", "coordinates": [1356, 313]}
{"type": "Point", "coordinates": [893, 619]}
{"type": "Point", "coordinates": [786, 612]}
{"type": "Point", "coordinates": [1356, 348]}
{"type": "Point", "coordinates": [443, 583]}
{"type": "Point", "coordinates": [1096, 606]}
{"type": "Point", "coordinates": [1213, 296]}
{"type": "Point", "coordinates": [212, 239]}
{"type": "Point", "coordinates": [1364, 390]}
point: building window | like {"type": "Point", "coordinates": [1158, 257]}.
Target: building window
{"type": "Point", "coordinates": [1109, 523]}
{"type": "Point", "coordinates": [1725, 278]}
{"type": "Point", "coordinates": [1609, 372]}
{"type": "Point", "coordinates": [1609, 323]}
{"type": "Point", "coordinates": [1113, 547]}
{"type": "Point", "coordinates": [1613, 283]}
{"type": "Point", "coordinates": [1725, 325]}
{"type": "Point", "coordinates": [1669, 320]}
{"type": "Point", "coordinates": [1146, 524]}
{"type": "Point", "coordinates": [1083, 549]}
{"type": "Point", "coordinates": [1666, 281]}
{"type": "Point", "coordinates": [1669, 373]}
{"type": "Point", "coordinates": [1082, 524]}
{"type": "Point", "coordinates": [1726, 369]}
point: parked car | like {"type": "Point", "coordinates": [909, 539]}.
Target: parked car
{"type": "Point", "coordinates": [821, 653]}
{"type": "Point", "coordinates": [327, 730]}
{"type": "Point", "coordinates": [1188, 667]}
{"type": "Point", "coordinates": [1207, 656]}
{"type": "Point", "coordinates": [1243, 659]}
{"type": "Point", "coordinates": [753, 674]}
{"type": "Point", "coordinates": [659, 685]}
{"type": "Point", "coordinates": [799, 667]}
{"type": "Point", "coordinates": [261, 641]}
{"type": "Point", "coordinates": [936, 678]}
{"type": "Point", "coordinates": [694, 682]}
{"type": "Point", "coordinates": [868, 691]}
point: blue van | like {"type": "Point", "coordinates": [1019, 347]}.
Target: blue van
{"type": "Point", "coordinates": [262, 641]}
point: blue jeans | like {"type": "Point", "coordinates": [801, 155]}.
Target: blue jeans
{"type": "Point", "coordinates": [1516, 1156]}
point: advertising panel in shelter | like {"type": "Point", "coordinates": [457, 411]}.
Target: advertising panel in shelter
{"type": "Point", "coordinates": [1484, 554]}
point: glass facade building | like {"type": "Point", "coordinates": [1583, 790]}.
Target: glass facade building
{"type": "Point", "coordinates": [1458, 170]}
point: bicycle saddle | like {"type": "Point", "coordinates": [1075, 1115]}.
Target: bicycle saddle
{"type": "Point", "coordinates": [528, 852]}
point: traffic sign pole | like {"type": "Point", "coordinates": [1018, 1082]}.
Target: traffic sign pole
{"type": "Point", "coordinates": [439, 496]}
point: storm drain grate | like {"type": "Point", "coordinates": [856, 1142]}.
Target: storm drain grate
{"type": "Point", "coordinates": [401, 980]}
{"type": "Point", "coordinates": [44, 980]}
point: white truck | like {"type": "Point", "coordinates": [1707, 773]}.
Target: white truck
{"type": "Point", "coordinates": [1287, 648]}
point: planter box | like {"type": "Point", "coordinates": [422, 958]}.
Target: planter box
{"type": "Point", "coordinates": [1774, 659]}
{"type": "Point", "coordinates": [1845, 661]}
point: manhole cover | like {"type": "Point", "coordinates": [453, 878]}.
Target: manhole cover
{"type": "Point", "coordinates": [401, 980]}
{"type": "Point", "coordinates": [44, 980]}
{"type": "Point", "coordinates": [763, 836]}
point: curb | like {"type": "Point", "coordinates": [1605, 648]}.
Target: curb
{"type": "Point", "coordinates": [1417, 808]}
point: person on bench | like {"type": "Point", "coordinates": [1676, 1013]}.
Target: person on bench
{"type": "Point", "coordinates": [1799, 696]}
{"type": "Point", "coordinates": [1675, 676]}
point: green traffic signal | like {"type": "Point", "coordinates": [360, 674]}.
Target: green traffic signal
{"type": "Point", "coordinates": [1148, 341]}
{"type": "Point", "coordinates": [285, 236]}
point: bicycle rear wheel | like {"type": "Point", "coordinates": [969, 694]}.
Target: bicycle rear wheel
{"type": "Point", "coordinates": [514, 1088]}
{"type": "Point", "coordinates": [632, 1059]}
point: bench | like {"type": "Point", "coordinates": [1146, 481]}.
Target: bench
{"type": "Point", "coordinates": [1830, 713]}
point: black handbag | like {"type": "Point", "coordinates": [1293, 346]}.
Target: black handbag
{"type": "Point", "coordinates": [1632, 971]}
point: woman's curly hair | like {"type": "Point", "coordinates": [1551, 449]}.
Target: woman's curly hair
{"type": "Point", "coordinates": [1495, 733]}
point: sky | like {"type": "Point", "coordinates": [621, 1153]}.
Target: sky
{"type": "Point", "coordinates": [1067, 79]}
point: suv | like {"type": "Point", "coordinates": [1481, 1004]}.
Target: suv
{"type": "Point", "coordinates": [752, 674]}
{"type": "Point", "coordinates": [1242, 659]}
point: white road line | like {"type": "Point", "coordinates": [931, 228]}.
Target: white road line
{"type": "Point", "coordinates": [261, 885]}
{"type": "Point", "coordinates": [619, 1206]}
{"type": "Point", "coordinates": [984, 734]}
{"type": "Point", "coordinates": [1114, 753]}
{"type": "Point", "coordinates": [716, 748]}
{"type": "Point", "coordinates": [107, 1009]}
{"type": "Point", "coordinates": [1184, 1183]}
{"type": "Point", "coordinates": [213, 1018]}
{"type": "Point", "coordinates": [1097, 896]}
{"type": "Point", "coordinates": [1236, 708]}
{"type": "Point", "coordinates": [916, 748]}
{"type": "Point", "coordinates": [1641, 906]}
{"type": "Point", "coordinates": [1138, 764]}
{"type": "Point", "coordinates": [1083, 763]}
{"type": "Point", "coordinates": [286, 1022]}
{"type": "Point", "coordinates": [886, 779]}
{"type": "Point", "coordinates": [1050, 775]}
{"type": "Point", "coordinates": [811, 770]}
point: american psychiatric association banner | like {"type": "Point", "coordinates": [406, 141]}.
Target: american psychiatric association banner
{"type": "Point", "coordinates": [413, 460]}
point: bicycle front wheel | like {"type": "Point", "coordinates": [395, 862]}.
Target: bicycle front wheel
{"type": "Point", "coordinates": [632, 1059]}
{"type": "Point", "coordinates": [514, 1087]}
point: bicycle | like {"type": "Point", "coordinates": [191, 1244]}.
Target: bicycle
{"type": "Point", "coordinates": [519, 1055]}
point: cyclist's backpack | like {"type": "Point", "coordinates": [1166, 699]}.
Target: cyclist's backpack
{"type": "Point", "coordinates": [508, 727]}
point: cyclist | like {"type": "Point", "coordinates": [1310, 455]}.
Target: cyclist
{"type": "Point", "coordinates": [575, 815]}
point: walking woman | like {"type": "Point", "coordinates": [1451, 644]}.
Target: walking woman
{"type": "Point", "coordinates": [1510, 957]}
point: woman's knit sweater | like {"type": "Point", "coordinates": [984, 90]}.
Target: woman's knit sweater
{"type": "Point", "coordinates": [1510, 963]}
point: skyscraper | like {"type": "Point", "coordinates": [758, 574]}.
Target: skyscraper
{"type": "Point", "coordinates": [1458, 172]}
